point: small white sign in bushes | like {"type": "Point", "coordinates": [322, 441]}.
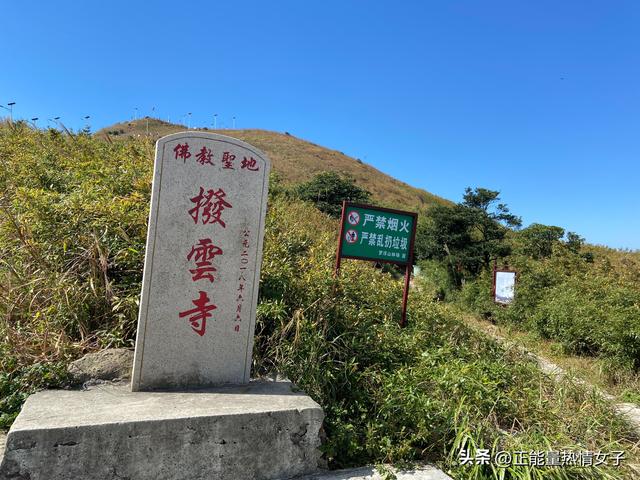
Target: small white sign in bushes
{"type": "Point", "coordinates": [504, 286]}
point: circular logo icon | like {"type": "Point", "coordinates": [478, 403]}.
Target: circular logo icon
{"type": "Point", "coordinates": [351, 236]}
{"type": "Point", "coordinates": [353, 218]}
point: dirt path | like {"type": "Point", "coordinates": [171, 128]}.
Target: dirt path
{"type": "Point", "coordinates": [629, 411]}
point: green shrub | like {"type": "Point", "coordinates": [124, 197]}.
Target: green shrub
{"type": "Point", "coordinates": [590, 308]}
{"type": "Point", "coordinates": [327, 190]}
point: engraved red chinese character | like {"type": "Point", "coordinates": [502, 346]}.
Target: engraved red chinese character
{"type": "Point", "coordinates": [205, 156]}
{"type": "Point", "coordinates": [227, 160]}
{"type": "Point", "coordinates": [203, 253]}
{"type": "Point", "coordinates": [249, 164]}
{"type": "Point", "coordinates": [198, 316]}
{"type": "Point", "coordinates": [182, 151]}
{"type": "Point", "coordinates": [209, 206]}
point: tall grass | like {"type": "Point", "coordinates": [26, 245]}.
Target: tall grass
{"type": "Point", "coordinates": [72, 229]}
{"type": "Point", "coordinates": [72, 225]}
{"type": "Point", "coordinates": [420, 393]}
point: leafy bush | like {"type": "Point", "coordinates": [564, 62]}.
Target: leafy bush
{"type": "Point", "coordinates": [591, 316]}
{"type": "Point", "coordinates": [327, 191]}
{"type": "Point", "coordinates": [538, 240]}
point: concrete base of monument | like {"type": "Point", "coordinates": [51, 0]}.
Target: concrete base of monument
{"type": "Point", "coordinates": [264, 430]}
{"type": "Point", "coordinates": [425, 472]}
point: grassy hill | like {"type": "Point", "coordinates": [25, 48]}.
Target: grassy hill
{"type": "Point", "coordinates": [73, 223]}
{"type": "Point", "coordinates": [296, 160]}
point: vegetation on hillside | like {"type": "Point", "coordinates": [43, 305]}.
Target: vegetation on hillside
{"type": "Point", "coordinates": [393, 394]}
{"type": "Point", "coordinates": [296, 161]}
{"type": "Point", "coordinates": [72, 229]}
{"type": "Point", "coordinates": [73, 218]}
{"type": "Point", "coordinates": [466, 237]}
{"type": "Point", "coordinates": [327, 191]}
{"type": "Point", "coordinates": [578, 299]}
{"type": "Point", "coordinates": [587, 299]}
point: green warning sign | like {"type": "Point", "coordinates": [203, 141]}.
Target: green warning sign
{"type": "Point", "coordinates": [375, 233]}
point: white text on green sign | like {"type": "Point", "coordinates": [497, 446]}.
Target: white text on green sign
{"type": "Point", "coordinates": [373, 234]}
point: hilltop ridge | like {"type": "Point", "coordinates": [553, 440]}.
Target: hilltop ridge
{"type": "Point", "coordinates": [296, 160]}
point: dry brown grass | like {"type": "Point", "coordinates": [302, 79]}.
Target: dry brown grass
{"type": "Point", "coordinates": [297, 160]}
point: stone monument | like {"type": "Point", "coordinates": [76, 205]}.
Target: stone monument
{"type": "Point", "coordinates": [202, 267]}
{"type": "Point", "coordinates": [191, 412]}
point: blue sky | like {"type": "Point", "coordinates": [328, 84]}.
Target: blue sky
{"type": "Point", "coordinates": [538, 99]}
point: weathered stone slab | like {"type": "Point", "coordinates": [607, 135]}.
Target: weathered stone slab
{"type": "Point", "coordinates": [263, 430]}
{"type": "Point", "coordinates": [202, 263]}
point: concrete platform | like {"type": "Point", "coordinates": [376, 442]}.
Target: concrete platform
{"type": "Point", "coordinates": [261, 431]}
{"type": "Point", "coordinates": [426, 472]}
